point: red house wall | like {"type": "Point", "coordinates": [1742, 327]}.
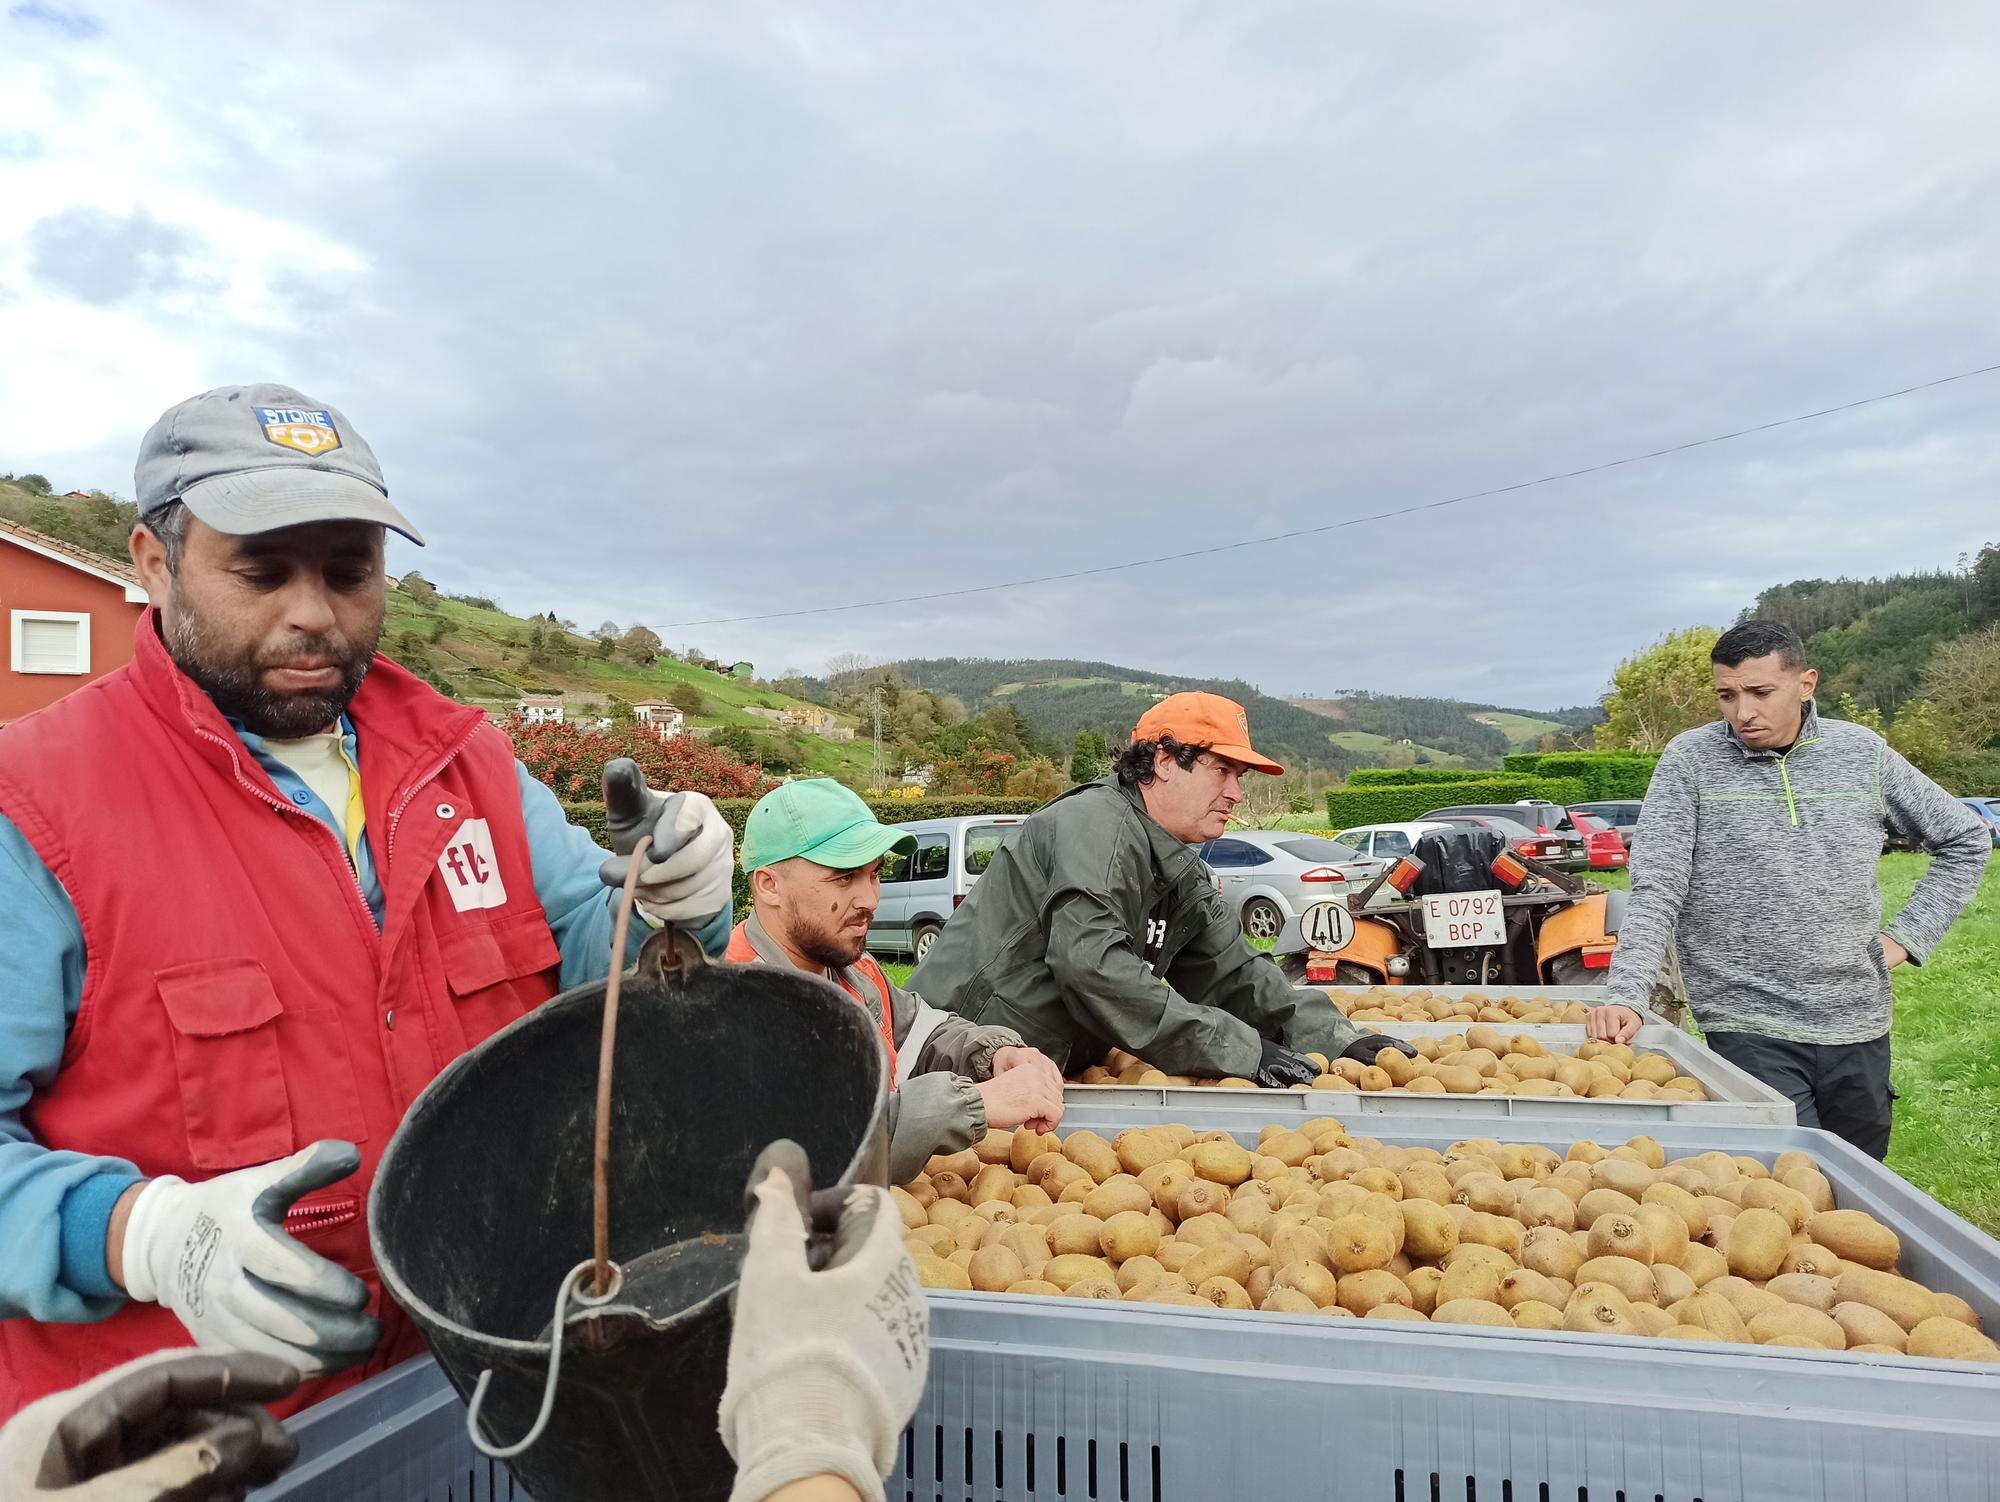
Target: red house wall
{"type": "Point", "coordinates": [29, 581]}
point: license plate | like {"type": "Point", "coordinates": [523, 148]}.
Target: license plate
{"type": "Point", "coordinates": [1460, 920]}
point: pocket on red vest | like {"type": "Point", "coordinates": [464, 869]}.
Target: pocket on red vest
{"type": "Point", "coordinates": [232, 1075]}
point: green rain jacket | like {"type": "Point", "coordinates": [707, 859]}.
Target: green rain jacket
{"type": "Point", "coordinates": [1093, 926]}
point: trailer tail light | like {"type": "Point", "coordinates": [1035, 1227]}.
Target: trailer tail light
{"type": "Point", "coordinates": [1597, 956]}
{"type": "Point", "coordinates": [956, 899]}
{"type": "Point", "coordinates": [1322, 873]}
{"type": "Point", "coordinates": [1403, 875]}
{"type": "Point", "coordinates": [1508, 870]}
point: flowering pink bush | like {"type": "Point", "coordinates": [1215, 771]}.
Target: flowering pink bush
{"type": "Point", "coordinates": [570, 761]}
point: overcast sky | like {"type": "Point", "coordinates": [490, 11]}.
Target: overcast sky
{"type": "Point", "coordinates": [665, 313]}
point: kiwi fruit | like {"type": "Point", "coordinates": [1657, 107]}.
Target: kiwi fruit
{"type": "Point", "coordinates": [1136, 1270]}
{"type": "Point", "coordinates": [1468, 1280]}
{"type": "Point", "coordinates": [1632, 1278]}
{"type": "Point", "coordinates": [1543, 1206]}
{"type": "Point", "coordinates": [1523, 1285]}
{"type": "Point", "coordinates": [1758, 1241]}
{"type": "Point", "coordinates": [1081, 1233]}
{"type": "Point", "coordinates": [1138, 1150]}
{"type": "Point", "coordinates": [1856, 1236]}
{"type": "Point", "coordinates": [1599, 1310]}
{"type": "Point", "coordinates": [1423, 1284]}
{"type": "Point", "coordinates": [1224, 1292]}
{"type": "Point", "coordinates": [1533, 1314]}
{"type": "Point", "coordinates": [1622, 1174]}
{"type": "Point", "coordinates": [1310, 1279]}
{"type": "Point", "coordinates": [1951, 1306]}
{"type": "Point", "coordinates": [1207, 1229]}
{"type": "Point", "coordinates": [1300, 1243]}
{"type": "Point", "coordinates": [1065, 1269]}
{"type": "Point", "coordinates": [1808, 1257]}
{"type": "Point", "coordinates": [934, 1272]}
{"type": "Point", "coordinates": [934, 1239]}
{"type": "Point", "coordinates": [1396, 1312]}
{"type": "Point", "coordinates": [1028, 1242]}
{"type": "Point", "coordinates": [1249, 1213]}
{"type": "Point", "coordinates": [1769, 1194]}
{"type": "Point", "coordinates": [1358, 1243]}
{"type": "Point", "coordinates": [1703, 1264]}
{"type": "Point", "coordinates": [1117, 1194]}
{"type": "Point", "coordinates": [1129, 1233]}
{"type": "Point", "coordinates": [1092, 1153]}
{"type": "Point", "coordinates": [1714, 1314]}
{"type": "Point", "coordinates": [1806, 1289]}
{"type": "Point", "coordinates": [1670, 1284]}
{"type": "Point", "coordinates": [1620, 1236]}
{"type": "Point", "coordinates": [1428, 1233]}
{"type": "Point", "coordinates": [1201, 1197]}
{"type": "Point", "coordinates": [1473, 1251]}
{"type": "Point", "coordinates": [910, 1208]}
{"type": "Point", "coordinates": [1230, 1262]}
{"type": "Point", "coordinates": [1500, 1232]}
{"type": "Point", "coordinates": [1039, 1286]}
{"type": "Point", "coordinates": [1597, 1202]}
{"type": "Point", "coordinates": [1287, 1301]}
{"type": "Point", "coordinates": [1094, 1288]}
{"type": "Point", "coordinates": [995, 1269]}
{"type": "Point", "coordinates": [1797, 1321]}
{"type": "Point", "coordinates": [1744, 1296]}
{"type": "Point", "coordinates": [1865, 1325]}
{"type": "Point", "coordinates": [1811, 1183]}
{"type": "Point", "coordinates": [1223, 1163]}
{"type": "Point", "coordinates": [1471, 1312]}
{"type": "Point", "coordinates": [1551, 1253]}
{"type": "Point", "coordinates": [1908, 1304]}
{"type": "Point", "coordinates": [1947, 1338]}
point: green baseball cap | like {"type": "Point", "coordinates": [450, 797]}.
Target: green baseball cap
{"type": "Point", "coordinates": [818, 820]}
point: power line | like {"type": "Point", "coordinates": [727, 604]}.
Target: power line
{"type": "Point", "coordinates": [1352, 521]}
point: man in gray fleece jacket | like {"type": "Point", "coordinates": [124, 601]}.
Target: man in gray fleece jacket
{"type": "Point", "coordinates": [1763, 831]}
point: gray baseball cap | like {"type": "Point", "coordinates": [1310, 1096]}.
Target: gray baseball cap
{"type": "Point", "coordinates": [256, 458]}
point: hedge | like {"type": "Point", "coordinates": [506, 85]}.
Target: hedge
{"type": "Point", "coordinates": [590, 816]}
{"type": "Point", "coordinates": [1396, 805]}
{"type": "Point", "coordinates": [1971, 774]}
{"type": "Point", "coordinates": [1605, 774]}
{"type": "Point", "coordinates": [1397, 777]}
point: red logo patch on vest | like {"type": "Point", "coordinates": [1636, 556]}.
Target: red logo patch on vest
{"type": "Point", "coordinates": [470, 871]}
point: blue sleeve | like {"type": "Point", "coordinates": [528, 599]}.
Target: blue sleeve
{"type": "Point", "coordinates": [575, 902]}
{"type": "Point", "coordinates": [54, 1206]}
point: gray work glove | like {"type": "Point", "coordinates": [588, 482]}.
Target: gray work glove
{"type": "Point", "coordinates": [1280, 1068]}
{"type": "Point", "coordinates": [216, 1253]}
{"type": "Point", "coordinates": [175, 1426]}
{"type": "Point", "coordinates": [825, 1368]}
{"type": "Point", "coordinates": [685, 880]}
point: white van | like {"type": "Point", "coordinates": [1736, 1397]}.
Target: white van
{"type": "Point", "coordinates": [920, 892]}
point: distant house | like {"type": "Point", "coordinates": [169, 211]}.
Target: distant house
{"type": "Point", "coordinates": [804, 717]}
{"type": "Point", "coordinates": [541, 709]}
{"type": "Point", "coordinates": [742, 670]}
{"type": "Point", "coordinates": [919, 777]}
{"type": "Point", "coordinates": [76, 495]}
{"type": "Point", "coordinates": [662, 719]}
{"type": "Point", "coordinates": [707, 663]}
{"type": "Point", "coordinates": [66, 617]}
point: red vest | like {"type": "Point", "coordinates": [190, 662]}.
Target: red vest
{"type": "Point", "coordinates": [238, 1001]}
{"type": "Point", "coordinates": [742, 952]}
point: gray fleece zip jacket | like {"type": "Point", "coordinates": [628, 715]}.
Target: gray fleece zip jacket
{"type": "Point", "coordinates": [938, 1109]}
{"type": "Point", "coordinates": [1760, 868]}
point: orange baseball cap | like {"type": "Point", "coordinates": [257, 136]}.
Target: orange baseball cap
{"type": "Point", "coordinates": [1205, 720]}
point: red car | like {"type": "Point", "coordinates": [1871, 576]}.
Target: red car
{"type": "Point", "coordinates": [1601, 842]}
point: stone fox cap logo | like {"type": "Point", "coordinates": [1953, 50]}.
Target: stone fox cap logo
{"type": "Point", "coordinates": [308, 431]}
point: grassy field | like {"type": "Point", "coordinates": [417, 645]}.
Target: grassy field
{"type": "Point", "coordinates": [1946, 1040]}
{"type": "Point", "coordinates": [1367, 742]}
{"type": "Point", "coordinates": [1524, 732]}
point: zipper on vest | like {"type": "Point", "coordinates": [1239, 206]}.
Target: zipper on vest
{"type": "Point", "coordinates": [396, 813]}
{"type": "Point", "coordinates": [1785, 776]}
{"type": "Point", "coordinates": [235, 766]}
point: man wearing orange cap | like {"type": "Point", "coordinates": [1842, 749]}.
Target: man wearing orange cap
{"type": "Point", "coordinates": [1097, 925]}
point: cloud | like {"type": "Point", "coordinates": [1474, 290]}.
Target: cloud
{"type": "Point", "coordinates": [67, 20]}
{"type": "Point", "coordinates": [710, 312]}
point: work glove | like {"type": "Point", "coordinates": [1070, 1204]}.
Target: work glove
{"type": "Point", "coordinates": [175, 1426]}
{"type": "Point", "coordinates": [216, 1253]}
{"type": "Point", "coordinates": [1364, 1048]}
{"type": "Point", "coordinates": [685, 880]}
{"type": "Point", "coordinates": [825, 1368]}
{"type": "Point", "coordinates": [1280, 1068]}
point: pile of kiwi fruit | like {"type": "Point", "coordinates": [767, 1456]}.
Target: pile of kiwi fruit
{"type": "Point", "coordinates": [1314, 1221]}
{"type": "Point", "coordinates": [1482, 1060]}
{"type": "Point", "coordinates": [1419, 1004]}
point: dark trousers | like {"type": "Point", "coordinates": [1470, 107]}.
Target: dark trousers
{"type": "Point", "coordinates": [1842, 1087]}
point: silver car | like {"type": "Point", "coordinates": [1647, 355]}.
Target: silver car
{"type": "Point", "coordinates": [1269, 875]}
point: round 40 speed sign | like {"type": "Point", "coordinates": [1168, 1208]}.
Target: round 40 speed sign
{"type": "Point", "coordinates": [1327, 925]}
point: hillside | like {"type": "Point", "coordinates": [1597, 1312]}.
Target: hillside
{"type": "Point", "coordinates": [480, 655]}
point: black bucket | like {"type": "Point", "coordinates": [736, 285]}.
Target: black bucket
{"type": "Point", "coordinates": [482, 1210]}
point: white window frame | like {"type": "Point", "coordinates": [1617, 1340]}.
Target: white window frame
{"type": "Point", "coordinates": [18, 657]}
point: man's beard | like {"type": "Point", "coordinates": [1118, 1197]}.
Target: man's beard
{"type": "Point", "coordinates": [834, 951]}
{"type": "Point", "coordinates": [237, 686]}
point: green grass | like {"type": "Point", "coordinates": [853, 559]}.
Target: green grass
{"type": "Point", "coordinates": [1367, 742]}
{"type": "Point", "coordinates": [1523, 732]}
{"type": "Point", "coordinates": [1946, 1048]}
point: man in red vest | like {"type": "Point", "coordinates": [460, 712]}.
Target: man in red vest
{"type": "Point", "coordinates": [256, 889]}
{"type": "Point", "coordinates": [814, 853]}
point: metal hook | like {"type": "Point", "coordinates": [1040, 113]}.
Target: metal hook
{"type": "Point", "coordinates": [572, 1287]}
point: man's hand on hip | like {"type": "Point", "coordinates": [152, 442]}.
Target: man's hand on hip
{"type": "Point", "coordinates": [179, 1425]}
{"type": "Point", "coordinates": [1893, 954]}
{"type": "Point", "coordinates": [685, 880]}
{"type": "Point", "coordinates": [216, 1253]}
{"type": "Point", "coordinates": [1612, 1022]}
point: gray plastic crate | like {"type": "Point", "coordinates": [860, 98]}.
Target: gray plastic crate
{"type": "Point", "coordinates": [1734, 1096]}
{"type": "Point", "coordinates": [1048, 1398]}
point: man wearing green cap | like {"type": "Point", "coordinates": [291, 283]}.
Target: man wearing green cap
{"type": "Point", "coordinates": [813, 852]}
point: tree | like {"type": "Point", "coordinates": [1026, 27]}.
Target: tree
{"type": "Point", "coordinates": [736, 739]}
{"type": "Point", "coordinates": [33, 483]}
{"type": "Point", "coordinates": [686, 698]}
{"type": "Point", "coordinates": [419, 589]}
{"type": "Point", "coordinates": [619, 712]}
{"type": "Point", "coordinates": [640, 645]}
{"type": "Point", "coordinates": [537, 641]}
{"type": "Point", "coordinates": [1983, 585]}
{"type": "Point", "coordinates": [606, 645]}
{"type": "Point", "coordinates": [570, 760]}
{"type": "Point", "coordinates": [439, 626]}
{"type": "Point", "coordinates": [1923, 737]}
{"type": "Point", "coordinates": [1089, 757]}
{"type": "Point", "coordinates": [1963, 681]}
{"type": "Point", "coordinates": [1039, 779]}
{"type": "Point", "coordinates": [606, 631]}
{"type": "Point", "coordinates": [1666, 689]}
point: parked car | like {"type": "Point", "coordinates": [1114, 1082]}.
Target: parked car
{"type": "Point", "coordinates": [1622, 814]}
{"type": "Point", "coordinates": [1382, 843]}
{"type": "Point", "coordinates": [1552, 849]}
{"type": "Point", "coordinates": [1540, 818]}
{"type": "Point", "coordinates": [1988, 809]}
{"type": "Point", "coordinates": [920, 892]}
{"type": "Point", "coordinates": [1269, 875]}
{"type": "Point", "coordinates": [1600, 841]}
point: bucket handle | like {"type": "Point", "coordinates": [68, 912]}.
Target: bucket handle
{"type": "Point", "coordinates": [572, 1288]}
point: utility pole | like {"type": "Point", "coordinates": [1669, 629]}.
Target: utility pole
{"type": "Point", "coordinates": [876, 697]}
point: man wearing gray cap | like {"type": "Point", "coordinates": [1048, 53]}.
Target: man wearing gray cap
{"type": "Point", "coordinates": [257, 888]}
